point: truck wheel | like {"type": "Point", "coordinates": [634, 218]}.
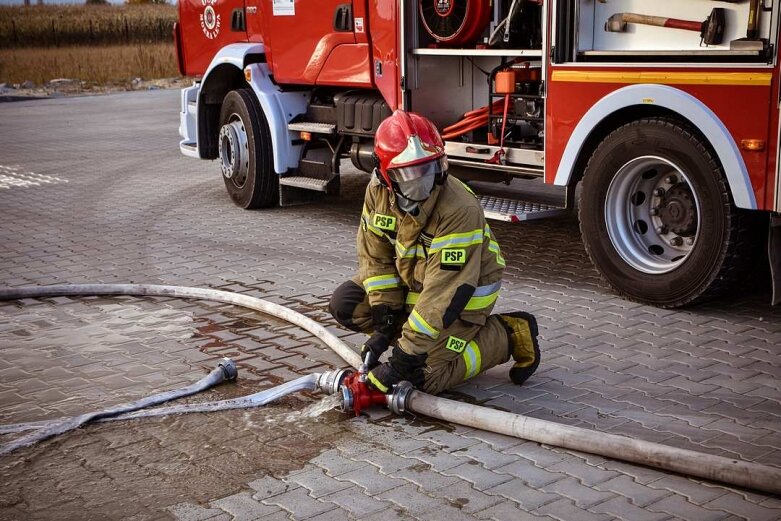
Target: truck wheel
{"type": "Point", "coordinates": [656, 216]}
{"type": "Point", "coordinates": [245, 152]}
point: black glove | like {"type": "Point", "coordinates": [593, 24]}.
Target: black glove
{"type": "Point", "coordinates": [372, 350]}
{"type": "Point", "coordinates": [401, 366]}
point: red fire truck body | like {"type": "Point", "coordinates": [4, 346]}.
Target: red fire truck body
{"type": "Point", "coordinates": [666, 115]}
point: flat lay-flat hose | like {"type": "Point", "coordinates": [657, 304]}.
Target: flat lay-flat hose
{"type": "Point", "coordinates": [226, 370]}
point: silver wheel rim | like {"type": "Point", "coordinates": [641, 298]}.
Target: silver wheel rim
{"type": "Point", "coordinates": [652, 215]}
{"type": "Point", "coordinates": [234, 151]}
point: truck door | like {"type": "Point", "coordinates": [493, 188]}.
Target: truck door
{"type": "Point", "coordinates": [386, 37]}
{"type": "Point", "coordinates": [299, 35]}
{"type": "Point", "coordinates": [206, 27]}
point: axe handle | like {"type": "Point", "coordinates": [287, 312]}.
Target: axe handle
{"type": "Point", "coordinates": [661, 21]}
{"type": "Point", "coordinates": [753, 20]}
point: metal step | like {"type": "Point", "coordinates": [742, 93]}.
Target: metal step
{"type": "Point", "coordinates": [307, 183]}
{"type": "Point", "coordinates": [513, 210]}
{"type": "Point", "coordinates": [317, 128]}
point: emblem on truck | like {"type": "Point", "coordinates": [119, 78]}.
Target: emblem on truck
{"type": "Point", "coordinates": [210, 20]}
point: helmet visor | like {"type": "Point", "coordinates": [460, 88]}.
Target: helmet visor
{"type": "Point", "coordinates": [416, 182]}
{"type": "Point", "coordinates": [409, 173]}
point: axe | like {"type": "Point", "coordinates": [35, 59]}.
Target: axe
{"type": "Point", "coordinates": [711, 30]}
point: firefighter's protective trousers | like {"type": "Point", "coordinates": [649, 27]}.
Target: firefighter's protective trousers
{"type": "Point", "coordinates": [443, 268]}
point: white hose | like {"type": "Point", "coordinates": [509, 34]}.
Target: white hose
{"type": "Point", "coordinates": [717, 468]}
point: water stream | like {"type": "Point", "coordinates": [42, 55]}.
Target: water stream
{"type": "Point", "coordinates": [314, 410]}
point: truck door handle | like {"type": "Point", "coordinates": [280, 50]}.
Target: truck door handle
{"type": "Point", "coordinates": [343, 18]}
{"type": "Point", "coordinates": [238, 23]}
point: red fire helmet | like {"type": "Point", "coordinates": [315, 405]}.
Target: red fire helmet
{"type": "Point", "coordinates": [406, 140]}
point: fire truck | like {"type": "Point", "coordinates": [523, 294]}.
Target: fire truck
{"type": "Point", "coordinates": [658, 122]}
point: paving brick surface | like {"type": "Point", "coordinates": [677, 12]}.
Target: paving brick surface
{"type": "Point", "coordinates": [122, 205]}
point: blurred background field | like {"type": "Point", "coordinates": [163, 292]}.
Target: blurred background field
{"type": "Point", "coordinates": [96, 44]}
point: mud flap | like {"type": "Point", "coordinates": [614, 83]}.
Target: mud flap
{"type": "Point", "coordinates": [774, 254]}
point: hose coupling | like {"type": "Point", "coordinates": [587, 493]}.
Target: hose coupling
{"type": "Point", "coordinates": [397, 400]}
{"type": "Point", "coordinates": [329, 382]}
{"type": "Point", "coordinates": [229, 370]}
{"type": "Point", "coordinates": [356, 396]}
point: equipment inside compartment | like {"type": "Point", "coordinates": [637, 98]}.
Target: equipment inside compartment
{"type": "Point", "coordinates": [503, 24]}
{"type": "Point", "coordinates": [497, 100]}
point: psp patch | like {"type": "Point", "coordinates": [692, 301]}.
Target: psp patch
{"type": "Point", "coordinates": [455, 258]}
{"type": "Point", "coordinates": [385, 222]}
{"type": "Point", "coordinates": [455, 344]}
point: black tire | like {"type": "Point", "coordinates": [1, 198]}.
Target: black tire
{"type": "Point", "coordinates": [249, 178]}
{"type": "Point", "coordinates": [694, 242]}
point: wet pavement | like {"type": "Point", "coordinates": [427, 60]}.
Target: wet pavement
{"type": "Point", "coordinates": [91, 200]}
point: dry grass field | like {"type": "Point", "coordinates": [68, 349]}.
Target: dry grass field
{"type": "Point", "coordinates": [64, 25]}
{"type": "Point", "coordinates": [96, 44]}
{"type": "Point", "coordinates": [103, 65]}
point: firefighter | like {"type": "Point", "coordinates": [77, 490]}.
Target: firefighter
{"type": "Point", "coordinates": [429, 272]}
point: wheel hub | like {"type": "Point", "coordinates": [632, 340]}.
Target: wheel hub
{"type": "Point", "coordinates": [678, 212]}
{"type": "Point", "coordinates": [652, 214]}
{"type": "Point", "coordinates": [234, 151]}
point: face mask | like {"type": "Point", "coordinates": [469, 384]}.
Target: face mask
{"type": "Point", "coordinates": [410, 193]}
{"type": "Point", "coordinates": [405, 205]}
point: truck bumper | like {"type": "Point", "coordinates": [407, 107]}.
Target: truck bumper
{"type": "Point", "coordinates": [188, 121]}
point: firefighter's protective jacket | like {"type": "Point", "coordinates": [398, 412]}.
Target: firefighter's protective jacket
{"type": "Point", "coordinates": [442, 263]}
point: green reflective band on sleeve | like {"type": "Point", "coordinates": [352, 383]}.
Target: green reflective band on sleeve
{"type": "Point", "coordinates": [419, 324]}
{"type": "Point", "coordinates": [457, 240]}
{"type": "Point", "coordinates": [381, 282]}
{"type": "Point", "coordinates": [455, 344]}
{"type": "Point", "coordinates": [453, 256]}
{"type": "Point", "coordinates": [493, 247]}
{"type": "Point", "coordinates": [384, 222]}
{"type": "Point", "coordinates": [412, 298]}
{"type": "Point", "coordinates": [408, 253]}
{"type": "Point", "coordinates": [484, 296]}
{"type": "Point", "coordinates": [472, 359]}
{"type": "Point", "coordinates": [376, 383]}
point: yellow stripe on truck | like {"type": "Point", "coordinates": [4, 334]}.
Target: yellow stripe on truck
{"type": "Point", "coordinates": [669, 78]}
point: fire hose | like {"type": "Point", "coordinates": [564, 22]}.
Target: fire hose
{"type": "Point", "coordinates": [404, 398]}
{"type": "Point", "coordinates": [225, 370]}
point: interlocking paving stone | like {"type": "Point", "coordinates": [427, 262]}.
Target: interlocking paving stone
{"type": "Point", "coordinates": [516, 490]}
{"type": "Point", "coordinates": [299, 503]}
{"type": "Point", "coordinates": [318, 483]}
{"type": "Point", "coordinates": [679, 507]}
{"type": "Point", "coordinates": [354, 501]}
{"type": "Point", "coordinates": [372, 480]}
{"type": "Point", "coordinates": [509, 511]}
{"type": "Point", "coordinates": [480, 477]}
{"type": "Point", "coordinates": [621, 508]}
{"type": "Point", "coordinates": [242, 507]}
{"type": "Point", "coordinates": [638, 494]}
{"type": "Point", "coordinates": [531, 474]}
{"type": "Point", "coordinates": [566, 510]}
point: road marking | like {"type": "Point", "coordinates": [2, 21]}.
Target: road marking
{"type": "Point", "coordinates": [14, 177]}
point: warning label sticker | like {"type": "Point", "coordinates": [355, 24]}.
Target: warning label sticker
{"type": "Point", "coordinates": [284, 7]}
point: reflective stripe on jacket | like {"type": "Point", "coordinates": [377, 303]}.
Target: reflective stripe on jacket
{"type": "Point", "coordinates": [444, 263]}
